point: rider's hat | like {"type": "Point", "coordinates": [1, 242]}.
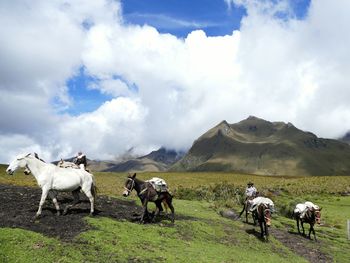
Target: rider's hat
{"type": "Point", "coordinates": [250, 183]}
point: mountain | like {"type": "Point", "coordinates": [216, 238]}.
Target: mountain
{"type": "Point", "coordinates": [345, 138]}
{"type": "Point", "coordinates": [258, 146]}
{"type": "Point", "coordinates": [155, 161]}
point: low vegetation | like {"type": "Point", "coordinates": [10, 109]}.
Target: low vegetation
{"type": "Point", "coordinates": [200, 234]}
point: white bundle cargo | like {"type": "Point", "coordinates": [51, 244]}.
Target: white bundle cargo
{"type": "Point", "coordinates": [158, 184]}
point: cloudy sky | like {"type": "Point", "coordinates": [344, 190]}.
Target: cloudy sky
{"type": "Point", "coordinates": [105, 76]}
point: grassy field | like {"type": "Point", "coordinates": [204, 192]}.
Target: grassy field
{"type": "Point", "coordinates": [202, 235]}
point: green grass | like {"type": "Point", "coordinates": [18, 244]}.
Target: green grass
{"type": "Point", "coordinates": [208, 238]}
{"type": "Point", "coordinates": [112, 183]}
{"type": "Point", "coordinates": [200, 234]}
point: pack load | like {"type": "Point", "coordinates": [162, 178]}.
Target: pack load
{"type": "Point", "coordinates": [301, 209]}
{"type": "Point", "coordinates": [260, 200]}
{"type": "Point", "coordinates": [158, 184]}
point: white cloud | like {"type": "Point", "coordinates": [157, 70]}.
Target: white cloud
{"type": "Point", "coordinates": [112, 129]}
{"type": "Point", "coordinates": [15, 143]}
{"type": "Point", "coordinates": [275, 67]}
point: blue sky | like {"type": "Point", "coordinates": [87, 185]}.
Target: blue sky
{"type": "Point", "coordinates": [84, 98]}
{"type": "Point", "coordinates": [176, 17]}
{"type": "Point", "coordinates": [180, 17]}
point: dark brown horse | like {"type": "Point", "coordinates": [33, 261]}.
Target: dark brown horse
{"type": "Point", "coordinates": [312, 216]}
{"type": "Point", "coordinates": [147, 193]}
{"type": "Point", "coordinates": [262, 214]}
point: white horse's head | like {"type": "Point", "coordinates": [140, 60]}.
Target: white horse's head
{"type": "Point", "coordinates": [18, 162]}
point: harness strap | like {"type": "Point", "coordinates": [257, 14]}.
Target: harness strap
{"type": "Point", "coordinates": [144, 190]}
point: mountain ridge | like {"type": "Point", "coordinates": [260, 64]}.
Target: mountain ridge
{"type": "Point", "coordinates": [258, 146]}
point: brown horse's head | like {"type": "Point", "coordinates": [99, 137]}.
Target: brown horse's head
{"type": "Point", "coordinates": [129, 184]}
{"type": "Point", "coordinates": [264, 212]}
{"type": "Point", "coordinates": [267, 215]}
{"type": "Point", "coordinates": [313, 215]}
{"type": "Point", "coordinates": [318, 216]}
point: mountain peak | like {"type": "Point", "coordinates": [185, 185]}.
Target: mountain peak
{"type": "Point", "coordinates": [258, 146]}
{"type": "Point", "coordinates": [223, 124]}
{"type": "Point", "coordinates": [251, 117]}
{"type": "Point", "coordinates": [254, 119]}
{"type": "Point", "coordinates": [223, 128]}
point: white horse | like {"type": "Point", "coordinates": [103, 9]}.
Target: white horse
{"type": "Point", "coordinates": [53, 179]}
{"type": "Point", "coordinates": [64, 164]}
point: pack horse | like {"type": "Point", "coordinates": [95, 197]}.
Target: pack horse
{"type": "Point", "coordinates": [307, 213]}
{"type": "Point", "coordinates": [154, 190]}
{"type": "Point", "coordinates": [262, 208]}
{"type": "Point", "coordinates": [53, 179]}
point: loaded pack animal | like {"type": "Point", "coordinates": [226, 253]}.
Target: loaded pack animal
{"type": "Point", "coordinates": [65, 164]}
{"type": "Point", "coordinates": [262, 209]}
{"type": "Point", "coordinates": [81, 161]}
{"type": "Point", "coordinates": [310, 215]}
{"type": "Point", "coordinates": [53, 179]}
{"type": "Point", "coordinates": [147, 193]}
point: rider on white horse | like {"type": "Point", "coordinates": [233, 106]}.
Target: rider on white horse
{"type": "Point", "coordinates": [53, 179]}
{"type": "Point", "coordinates": [80, 160]}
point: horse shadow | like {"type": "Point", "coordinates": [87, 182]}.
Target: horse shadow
{"type": "Point", "coordinates": [63, 201]}
{"type": "Point", "coordinates": [257, 234]}
{"type": "Point", "coordinates": [250, 223]}
{"type": "Point", "coordinates": [150, 218]}
{"type": "Point", "coordinates": [73, 211]}
{"type": "Point", "coordinates": [301, 235]}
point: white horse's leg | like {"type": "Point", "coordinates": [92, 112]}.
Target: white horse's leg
{"type": "Point", "coordinates": [75, 194]}
{"type": "Point", "coordinates": [42, 201]}
{"type": "Point", "coordinates": [87, 192]}
{"type": "Point", "coordinates": [53, 195]}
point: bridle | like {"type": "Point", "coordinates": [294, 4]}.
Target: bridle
{"type": "Point", "coordinates": [317, 215]}
{"type": "Point", "coordinates": [132, 186]}
{"type": "Point", "coordinates": [267, 211]}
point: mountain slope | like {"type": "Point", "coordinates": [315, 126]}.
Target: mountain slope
{"type": "Point", "coordinates": [260, 147]}
{"type": "Point", "coordinates": [155, 161]}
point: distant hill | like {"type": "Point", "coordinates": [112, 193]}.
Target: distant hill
{"type": "Point", "coordinates": [155, 161]}
{"type": "Point", "coordinates": [93, 165]}
{"type": "Point", "coordinates": [257, 146]}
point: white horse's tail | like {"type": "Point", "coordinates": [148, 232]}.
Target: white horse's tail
{"type": "Point", "coordinates": [94, 190]}
{"type": "Point", "coordinates": [93, 187]}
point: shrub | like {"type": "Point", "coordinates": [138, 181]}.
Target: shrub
{"type": "Point", "coordinates": [218, 192]}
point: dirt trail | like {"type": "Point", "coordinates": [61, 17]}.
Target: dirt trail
{"type": "Point", "coordinates": [300, 245]}
{"type": "Point", "coordinates": [309, 249]}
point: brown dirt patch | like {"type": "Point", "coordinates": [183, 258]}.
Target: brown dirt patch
{"type": "Point", "coordinates": [302, 246]}
{"type": "Point", "coordinates": [18, 206]}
